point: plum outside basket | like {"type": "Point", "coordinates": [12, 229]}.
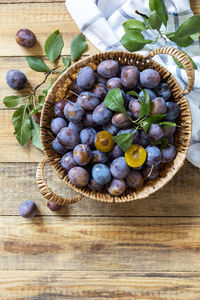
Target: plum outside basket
{"type": "Point", "coordinates": [60, 90]}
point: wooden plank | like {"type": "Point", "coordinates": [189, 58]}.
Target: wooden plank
{"type": "Point", "coordinates": [195, 5]}
{"type": "Point", "coordinates": [55, 285]}
{"type": "Point", "coordinates": [10, 150]}
{"type": "Point", "coordinates": [179, 198]}
{"type": "Point", "coordinates": [42, 19]}
{"type": "Point", "coordinates": [30, 1]}
{"type": "Point", "coordinates": [34, 78]}
{"type": "Point", "coordinates": [88, 244]}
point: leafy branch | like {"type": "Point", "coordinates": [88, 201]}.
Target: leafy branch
{"type": "Point", "coordinates": [26, 118]}
{"type": "Point", "coordinates": [184, 36]}
{"type": "Point", "coordinates": [115, 102]}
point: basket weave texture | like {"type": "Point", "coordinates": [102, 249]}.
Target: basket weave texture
{"type": "Point", "coordinates": [60, 90]}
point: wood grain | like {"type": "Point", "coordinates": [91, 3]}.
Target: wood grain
{"type": "Point", "coordinates": [43, 19]}
{"type": "Point", "coordinates": [18, 184]}
{"type": "Point", "coordinates": [88, 244]}
{"type": "Point", "coordinates": [55, 285]}
{"type": "Point", "coordinates": [34, 78]}
{"type": "Point", "coordinates": [10, 150]}
{"type": "Point", "coordinates": [195, 5]}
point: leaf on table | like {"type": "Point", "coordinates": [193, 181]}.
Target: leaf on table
{"type": "Point", "coordinates": [37, 64]}
{"type": "Point", "coordinates": [53, 46]}
{"type": "Point", "coordinates": [78, 46]}
{"type": "Point", "coordinates": [35, 135]}
{"type": "Point", "coordinates": [22, 125]}
{"type": "Point", "coordinates": [12, 101]}
{"type": "Point", "coordinates": [66, 62]}
{"type": "Point", "coordinates": [124, 140]}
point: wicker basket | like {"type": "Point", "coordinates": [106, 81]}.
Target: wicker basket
{"type": "Point", "coordinates": [60, 91]}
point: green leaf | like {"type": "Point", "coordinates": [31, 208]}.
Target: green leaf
{"type": "Point", "coordinates": [124, 140]}
{"type": "Point", "coordinates": [35, 135]}
{"type": "Point", "coordinates": [154, 20]}
{"type": "Point", "coordinates": [142, 110]}
{"type": "Point", "coordinates": [37, 64]}
{"type": "Point", "coordinates": [182, 41]}
{"type": "Point", "coordinates": [78, 46]}
{"type": "Point", "coordinates": [44, 92]}
{"type": "Point", "coordinates": [41, 98]}
{"type": "Point", "coordinates": [12, 101]}
{"type": "Point", "coordinates": [134, 24]}
{"type": "Point", "coordinates": [133, 40]}
{"type": "Point", "coordinates": [195, 35]}
{"type": "Point", "coordinates": [135, 94]}
{"type": "Point", "coordinates": [115, 101]}
{"type": "Point", "coordinates": [152, 5]}
{"type": "Point", "coordinates": [157, 117]}
{"type": "Point", "coordinates": [36, 110]}
{"type": "Point", "coordinates": [53, 46]}
{"type": "Point", "coordinates": [166, 125]}
{"type": "Point", "coordinates": [146, 20]}
{"type": "Point", "coordinates": [162, 143]}
{"type": "Point", "coordinates": [147, 101]}
{"type": "Point", "coordinates": [181, 66]}
{"type": "Point", "coordinates": [178, 63]}
{"type": "Point", "coordinates": [145, 124]}
{"type": "Point", "coordinates": [66, 62]}
{"type": "Point", "coordinates": [189, 27]}
{"type": "Point", "coordinates": [159, 7]}
{"type": "Point", "coordinates": [22, 125]}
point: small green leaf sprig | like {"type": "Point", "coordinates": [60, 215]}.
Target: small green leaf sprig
{"type": "Point", "coordinates": [114, 101]}
{"type": "Point", "coordinates": [23, 118]}
{"type": "Point", "coordinates": [184, 36]}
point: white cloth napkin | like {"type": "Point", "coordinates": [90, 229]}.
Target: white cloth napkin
{"type": "Point", "coordinates": [101, 22]}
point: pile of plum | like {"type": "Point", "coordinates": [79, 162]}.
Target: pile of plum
{"type": "Point", "coordinates": [84, 129]}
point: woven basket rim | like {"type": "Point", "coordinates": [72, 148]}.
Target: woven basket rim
{"type": "Point", "coordinates": [151, 186]}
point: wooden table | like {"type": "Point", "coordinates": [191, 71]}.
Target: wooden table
{"type": "Point", "coordinates": [148, 249]}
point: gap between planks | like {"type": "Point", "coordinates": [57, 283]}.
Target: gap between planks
{"type": "Point", "coordinates": [43, 19]}
{"type": "Point", "coordinates": [104, 244]}
{"type": "Point", "coordinates": [173, 200]}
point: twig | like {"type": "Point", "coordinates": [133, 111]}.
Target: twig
{"type": "Point", "coordinates": [162, 36]}
{"type": "Point", "coordinates": [141, 14]}
{"type": "Point", "coordinates": [47, 75]}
